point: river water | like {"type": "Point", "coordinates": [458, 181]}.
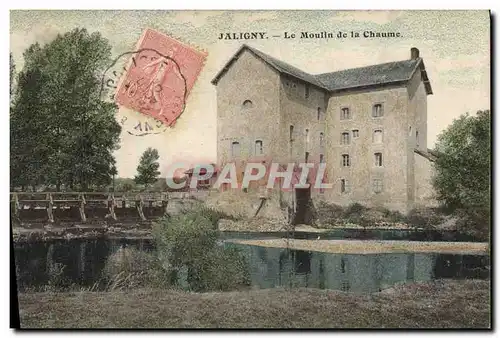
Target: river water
{"type": "Point", "coordinates": [83, 261]}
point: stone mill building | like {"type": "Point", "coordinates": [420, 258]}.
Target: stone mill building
{"type": "Point", "coordinates": [369, 125]}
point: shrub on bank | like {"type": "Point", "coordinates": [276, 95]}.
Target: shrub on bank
{"type": "Point", "coordinates": [425, 218]}
{"type": "Point", "coordinates": [475, 222]}
{"type": "Point", "coordinates": [130, 268]}
{"type": "Point", "coordinates": [187, 246]}
{"type": "Point", "coordinates": [211, 214]}
{"type": "Point", "coordinates": [356, 213]}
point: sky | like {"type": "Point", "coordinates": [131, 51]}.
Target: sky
{"type": "Point", "coordinates": [455, 46]}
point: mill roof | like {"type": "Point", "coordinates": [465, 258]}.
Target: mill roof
{"type": "Point", "coordinates": [362, 77]}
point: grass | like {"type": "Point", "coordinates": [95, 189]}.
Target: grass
{"type": "Point", "coordinates": [438, 304]}
{"type": "Point", "coordinates": [371, 246]}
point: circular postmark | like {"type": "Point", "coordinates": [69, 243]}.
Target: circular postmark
{"type": "Point", "coordinates": [150, 89]}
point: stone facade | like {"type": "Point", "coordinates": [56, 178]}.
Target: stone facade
{"type": "Point", "coordinates": [265, 109]}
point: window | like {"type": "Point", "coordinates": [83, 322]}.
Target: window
{"type": "Point", "coordinates": [294, 90]}
{"type": "Point", "coordinates": [345, 139]}
{"type": "Point", "coordinates": [377, 136]}
{"type": "Point", "coordinates": [235, 149]}
{"type": "Point", "coordinates": [258, 148]}
{"type": "Point", "coordinates": [307, 156]}
{"type": "Point", "coordinates": [355, 133]}
{"type": "Point", "coordinates": [307, 91]}
{"type": "Point", "coordinates": [319, 113]}
{"type": "Point", "coordinates": [378, 159]}
{"type": "Point", "coordinates": [321, 140]}
{"type": "Point", "coordinates": [377, 110]}
{"type": "Point", "coordinates": [307, 136]}
{"type": "Point", "coordinates": [377, 185]}
{"type": "Point", "coordinates": [247, 104]}
{"type": "Point", "coordinates": [345, 114]}
{"type": "Point", "coordinates": [344, 186]}
{"type": "Point", "coordinates": [416, 137]}
{"type": "Point", "coordinates": [291, 134]}
{"type": "Point", "coordinates": [345, 160]}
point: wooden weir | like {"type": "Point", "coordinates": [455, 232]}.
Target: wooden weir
{"type": "Point", "coordinates": [84, 206]}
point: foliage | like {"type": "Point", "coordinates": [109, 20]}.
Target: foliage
{"type": "Point", "coordinates": [475, 222]}
{"type": "Point", "coordinates": [356, 213]}
{"type": "Point", "coordinates": [462, 177]}
{"type": "Point", "coordinates": [147, 170]}
{"type": "Point", "coordinates": [125, 184]}
{"type": "Point", "coordinates": [12, 74]}
{"type": "Point", "coordinates": [354, 209]}
{"type": "Point", "coordinates": [159, 185]}
{"type": "Point", "coordinates": [62, 132]}
{"type": "Point", "coordinates": [128, 268]}
{"type": "Point", "coordinates": [211, 214]}
{"type": "Point", "coordinates": [220, 269]}
{"type": "Point", "coordinates": [425, 218]}
{"type": "Point", "coordinates": [188, 242]}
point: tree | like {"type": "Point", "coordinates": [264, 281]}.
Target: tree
{"type": "Point", "coordinates": [462, 177]}
{"type": "Point", "coordinates": [12, 74]}
{"type": "Point", "coordinates": [62, 131]}
{"type": "Point", "coordinates": [147, 170]}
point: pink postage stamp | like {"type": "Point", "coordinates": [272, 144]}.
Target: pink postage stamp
{"type": "Point", "coordinates": [160, 75]}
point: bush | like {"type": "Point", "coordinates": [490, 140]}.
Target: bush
{"type": "Point", "coordinates": [426, 218]}
{"type": "Point", "coordinates": [357, 213]}
{"type": "Point", "coordinates": [124, 184]}
{"type": "Point", "coordinates": [213, 215]}
{"type": "Point", "coordinates": [354, 209]}
{"type": "Point", "coordinates": [129, 268]}
{"type": "Point", "coordinates": [474, 222]}
{"type": "Point", "coordinates": [221, 269]}
{"type": "Point", "coordinates": [329, 213]}
{"type": "Point", "coordinates": [188, 241]}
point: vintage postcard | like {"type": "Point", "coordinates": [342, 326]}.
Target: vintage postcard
{"type": "Point", "coordinates": [251, 169]}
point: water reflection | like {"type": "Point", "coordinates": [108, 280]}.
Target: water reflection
{"type": "Point", "coordinates": [278, 267]}
{"type": "Point", "coordinates": [84, 260]}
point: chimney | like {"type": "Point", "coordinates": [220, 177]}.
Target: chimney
{"type": "Point", "coordinates": [415, 53]}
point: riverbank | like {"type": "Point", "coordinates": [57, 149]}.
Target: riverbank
{"type": "Point", "coordinates": [438, 304]}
